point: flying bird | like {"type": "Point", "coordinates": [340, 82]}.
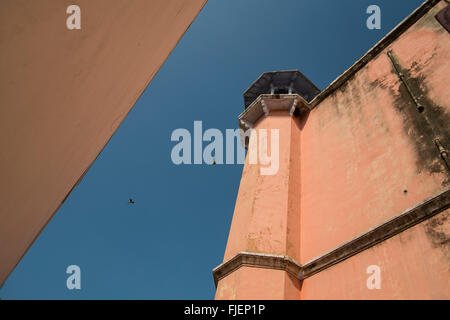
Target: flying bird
{"type": "Point", "coordinates": [131, 201]}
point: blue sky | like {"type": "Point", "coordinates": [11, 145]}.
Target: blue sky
{"type": "Point", "coordinates": [166, 244]}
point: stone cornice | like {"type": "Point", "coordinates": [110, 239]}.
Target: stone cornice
{"type": "Point", "coordinates": [405, 220]}
{"type": "Point", "coordinates": [265, 103]}
{"type": "Point", "coordinates": [259, 260]}
{"type": "Point", "coordinates": [256, 109]}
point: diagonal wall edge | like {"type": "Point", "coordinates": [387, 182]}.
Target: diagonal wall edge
{"type": "Point", "coordinates": [63, 94]}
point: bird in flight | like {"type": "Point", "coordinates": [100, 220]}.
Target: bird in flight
{"type": "Point", "coordinates": [131, 201]}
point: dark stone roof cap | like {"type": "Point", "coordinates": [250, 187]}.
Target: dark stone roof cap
{"type": "Point", "coordinates": [281, 82]}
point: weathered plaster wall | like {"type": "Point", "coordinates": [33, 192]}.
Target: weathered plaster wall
{"type": "Point", "coordinates": [267, 217]}
{"type": "Point", "coordinates": [64, 93]}
{"type": "Point", "coordinates": [366, 143]}
{"type": "Point", "coordinates": [265, 209]}
{"type": "Point", "coordinates": [365, 153]}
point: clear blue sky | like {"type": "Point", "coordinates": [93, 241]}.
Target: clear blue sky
{"type": "Point", "coordinates": [166, 244]}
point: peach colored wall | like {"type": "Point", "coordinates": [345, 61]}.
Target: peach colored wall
{"type": "Point", "coordinates": [264, 205]}
{"type": "Point", "coordinates": [64, 93]}
{"type": "Point", "coordinates": [413, 265]}
{"type": "Point", "coordinates": [366, 143]}
{"type": "Point", "coordinates": [267, 217]}
{"type": "Point", "coordinates": [358, 150]}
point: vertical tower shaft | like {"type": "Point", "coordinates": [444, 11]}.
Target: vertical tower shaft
{"type": "Point", "coordinates": [263, 246]}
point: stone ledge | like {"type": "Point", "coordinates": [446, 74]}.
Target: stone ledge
{"type": "Point", "coordinates": [258, 260]}
{"type": "Point", "coordinates": [397, 224]}
{"type": "Point", "coordinates": [265, 103]}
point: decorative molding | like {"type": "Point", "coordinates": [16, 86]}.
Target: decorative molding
{"type": "Point", "coordinates": [266, 103]}
{"type": "Point", "coordinates": [264, 107]}
{"type": "Point", "coordinates": [294, 105]}
{"type": "Point", "coordinates": [397, 224]}
{"type": "Point", "coordinates": [246, 123]}
{"type": "Point", "coordinates": [258, 260]}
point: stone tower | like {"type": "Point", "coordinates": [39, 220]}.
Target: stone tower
{"type": "Point", "coordinates": [358, 205]}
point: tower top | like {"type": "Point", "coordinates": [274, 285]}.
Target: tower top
{"type": "Point", "coordinates": [281, 82]}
